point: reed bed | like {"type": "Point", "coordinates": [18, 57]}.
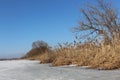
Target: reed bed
{"type": "Point", "coordinates": [100, 56]}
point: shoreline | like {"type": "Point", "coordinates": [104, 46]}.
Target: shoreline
{"type": "Point", "coordinates": [6, 59]}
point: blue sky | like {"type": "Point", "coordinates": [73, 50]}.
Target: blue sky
{"type": "Point", "coordinates": [25, 21]}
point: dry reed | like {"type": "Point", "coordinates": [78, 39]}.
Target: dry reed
{"type": "Point", "coordinates": [103, 56]}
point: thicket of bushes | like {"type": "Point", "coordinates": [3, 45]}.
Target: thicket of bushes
{"type": "Point", "coordinates": [38, 48]}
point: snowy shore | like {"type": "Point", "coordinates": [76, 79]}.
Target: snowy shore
{"type": "Point", "coordinates": [32, 70]}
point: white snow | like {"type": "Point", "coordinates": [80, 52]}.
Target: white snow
{"type": "Point", "coordinates": [32, 70]}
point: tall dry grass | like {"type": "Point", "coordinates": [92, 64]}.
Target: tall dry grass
{"type": "Point", "coordinates": [102, 56]}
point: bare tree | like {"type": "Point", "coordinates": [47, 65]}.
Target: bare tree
{"type": "Point", "coordinates": [101, 19]}
{"type": "Point", "coordinates": [42, 45]}
{"type": "Point", "coordinates": [39, 44]}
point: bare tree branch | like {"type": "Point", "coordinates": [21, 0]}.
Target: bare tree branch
{"type": "Point", "coordinates": [101, 18]}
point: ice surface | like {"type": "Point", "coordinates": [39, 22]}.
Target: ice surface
{"type": "Point", "coordinates": [32, 70]}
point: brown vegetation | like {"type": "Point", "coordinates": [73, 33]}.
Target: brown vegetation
{"type": "Point", "coordinates": [101, 57]}
{"type": "Point", "coordinates": [95, 56]}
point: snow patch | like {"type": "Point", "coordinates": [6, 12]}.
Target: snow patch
{"type": "Point", "coordinates": [32, 70]}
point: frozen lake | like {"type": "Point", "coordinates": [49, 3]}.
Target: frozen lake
{"type": "Point", "coordinates": [31, 70]}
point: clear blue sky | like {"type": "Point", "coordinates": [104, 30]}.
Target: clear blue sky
{"type": "Point", "coordinates": [25, 21]}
